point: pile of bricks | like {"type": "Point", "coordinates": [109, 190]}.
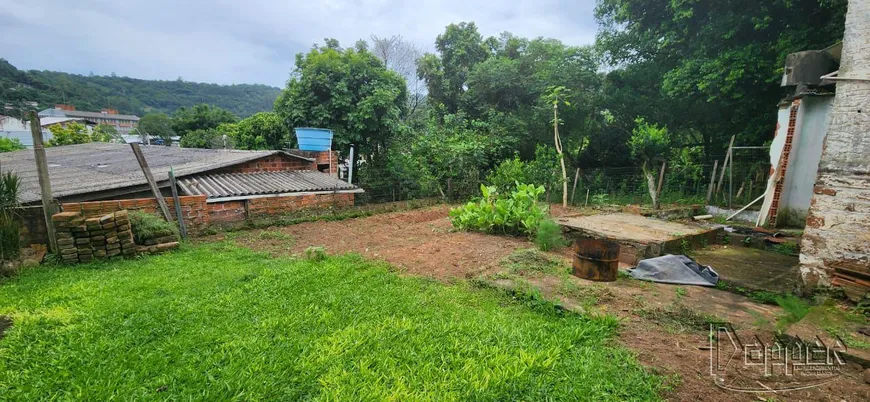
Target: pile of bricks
{"type": "Point", "coordinates": [83, 240]}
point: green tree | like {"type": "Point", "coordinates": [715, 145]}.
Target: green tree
{"type": "Point", "coordinates": [460, 47]}
{"type": "Point", "coordinates": [156, 125]}
{"type": "Point", "coordinates": [719, 62]}
{"type": "Point", "coordinates": [200, 117]}
{"type": "Point", "coordinates": [73, 133]}
{"type": "Point", "coordinates": [208, 139]}
{"type": "Point", "coordinates": [649, 144]}
{"type": "Point", "coordinates": [106, 133]}
{"type": "Point", "coordinates": [264, 130]}
{"type": "Point", "coordinates": [556, 96]}
{"type": "Point", "coordinates": [10, 144]}
{"type": "Point", "coordinates": [346, 90]}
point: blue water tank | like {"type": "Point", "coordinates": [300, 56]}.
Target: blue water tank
{"type": "Point", "coordinates": [314, 139]}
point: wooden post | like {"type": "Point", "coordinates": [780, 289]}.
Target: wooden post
{"type": "Point", "coordinates": [587, 199]}
{"type": "Point", "coordinates": [661, 181]}
{"type": "Point", "coordinates": [574, 189]}
{"type": "Point", "coordinates": [48, 206]}
{"type": "Point", "coordinates": [154, 189]}
{"type": "Point", "coordinates": [725, 166]}
{"type": "Point", "coordinates": [712, 180]}
{"type": "Point", "coordinates": [181, 227]}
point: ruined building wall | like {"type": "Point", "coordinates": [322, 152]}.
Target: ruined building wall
{"type": "Point", "coordinates": [838, 224]}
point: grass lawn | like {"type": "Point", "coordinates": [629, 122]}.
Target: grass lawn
{"type": "Point", "coordinates": [218, 322]}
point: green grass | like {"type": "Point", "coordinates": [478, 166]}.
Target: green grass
{"type": "Point", "coordinates": [147, 226]}
{"type": "Point", "coordinates": [219, 322]}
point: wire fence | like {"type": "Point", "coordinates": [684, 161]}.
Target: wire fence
{"type": "Point", "coordinates": [743, 180]}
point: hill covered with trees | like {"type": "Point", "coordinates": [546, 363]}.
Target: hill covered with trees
{"type": "Point", "coordinates": [127, 95]}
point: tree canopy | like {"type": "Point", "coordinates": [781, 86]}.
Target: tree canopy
{"type": "Point", "coordinates": [200, 117]}
{"type": "Point", "coordinates": [347, 90]}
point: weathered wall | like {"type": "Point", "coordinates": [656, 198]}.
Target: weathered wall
{"type": "Point", "coordinates": [838, 225]}
{"type": "Point", "coordinates": [33, 230]}
{"type": "Point", "coordinates": [812, 125]}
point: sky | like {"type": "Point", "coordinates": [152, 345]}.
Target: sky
{"type": "Point", "coordinates": [249, 41]}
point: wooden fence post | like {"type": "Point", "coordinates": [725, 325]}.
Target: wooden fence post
{"type": "Point", "coordinates": [177, 201]}
{"type": "Point", "coordinates": [48, 206]}
{"type": "Point", "coordinates": [154, 189]}
{"type": "Point", "coordinates": [712, 180]}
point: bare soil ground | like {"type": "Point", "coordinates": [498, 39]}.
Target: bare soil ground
{"type": "Point", "coordinates": [421, 243]}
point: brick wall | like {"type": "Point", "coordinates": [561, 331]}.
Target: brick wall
{"type": "Point", "coordinates": [283, 205]}
{"type": "Point", "coordinates": [199, 215]}
{"type": "Point", "coordinates": [227, 213]}
{"type": "Point", "coordinates": [193, 209]}
{"type": "Point", "coordinates": [274, 163]}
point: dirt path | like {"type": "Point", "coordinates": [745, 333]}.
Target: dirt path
{"type": "Point", "coordinates": [421, 242]}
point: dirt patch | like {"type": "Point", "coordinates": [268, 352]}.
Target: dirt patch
{"type": "Point", "coordinates": [420, 242]}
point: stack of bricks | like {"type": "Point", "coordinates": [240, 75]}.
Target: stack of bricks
{"type": "Point", "coordinates": [83, 240]}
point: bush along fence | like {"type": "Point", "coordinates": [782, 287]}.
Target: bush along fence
{"type": "Point", "coordinates": [81, 239]}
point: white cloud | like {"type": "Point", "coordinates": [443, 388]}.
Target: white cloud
{"type": "Point", "coordinates": [252, 41]}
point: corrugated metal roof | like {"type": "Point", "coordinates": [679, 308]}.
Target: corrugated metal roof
{"type": "Point", "coordinates": [96, 166]}
{"type": "Point", "coordinates": [262, 183]}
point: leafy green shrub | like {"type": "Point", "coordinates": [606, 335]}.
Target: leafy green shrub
{"type": "Point", "coordinates": [549, 235]}
{"type": "Point", "coordinates": [787, 248]}
{"type": "Point", "coordinates": [518, 214]}
{"type": "Point", "coordinates": [149, 226]}
{"type": "Point", "coordinates": [9, 225]}
{"type": "Point", "coordinates": [10, 144]}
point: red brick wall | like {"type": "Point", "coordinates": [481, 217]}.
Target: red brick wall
{"type": "Point", "coordinates": [193, 209]}
{"type": "Point", "coordinates": [285, 205]}
{"type": "Point", "coordinates": [198, 215]}
{"type": "Point", "coordinates": [274, 163]}
{"type": "Point", "coordinates": [322, 158]}
{"type": "Point", "coordinates": [228, 212]}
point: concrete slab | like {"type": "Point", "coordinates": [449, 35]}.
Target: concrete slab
{"type": "Point", "coordinates": [752, 268]}
{"type": "Point", "coordinates": [640, 237]}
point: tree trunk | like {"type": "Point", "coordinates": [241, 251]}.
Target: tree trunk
{"type": "Point", "coordinates": [651, 185]}
{"type": "Point", "coordinates": [561, 156]}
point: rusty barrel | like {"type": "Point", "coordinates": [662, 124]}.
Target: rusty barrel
{"type": "Point", "coordinates": [596, 259]}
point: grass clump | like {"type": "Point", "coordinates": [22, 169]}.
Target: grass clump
{"type": "Point", "coordinates": [529, 262]}
{"type": "Point", "coordinates": [149, 226]}
{"type": "Point", "coordinates": [549, 235]}
{"type": "Point", "coordinates": [220, 322]}
{"type": "Point", "coordinates": [795, 310]}
{"type": "Point", "coordinates": [678, 318]}
{"type": "Point", "coordinates": [315, 253]}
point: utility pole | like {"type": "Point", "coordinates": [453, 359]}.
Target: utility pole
{"type": "Point", "coordinates": [48, 206]}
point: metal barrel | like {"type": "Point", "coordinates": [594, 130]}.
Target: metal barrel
{"type": "Point", "coordinates": [596, 259]}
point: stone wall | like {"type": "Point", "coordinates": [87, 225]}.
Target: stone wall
{"type": "Point", "coordinates": [838, 224]}
{"type": "Point", "coordinates": [81, 239]}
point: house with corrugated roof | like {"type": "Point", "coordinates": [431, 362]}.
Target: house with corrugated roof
{"type": "Point", "coordinates": [215, 185]}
